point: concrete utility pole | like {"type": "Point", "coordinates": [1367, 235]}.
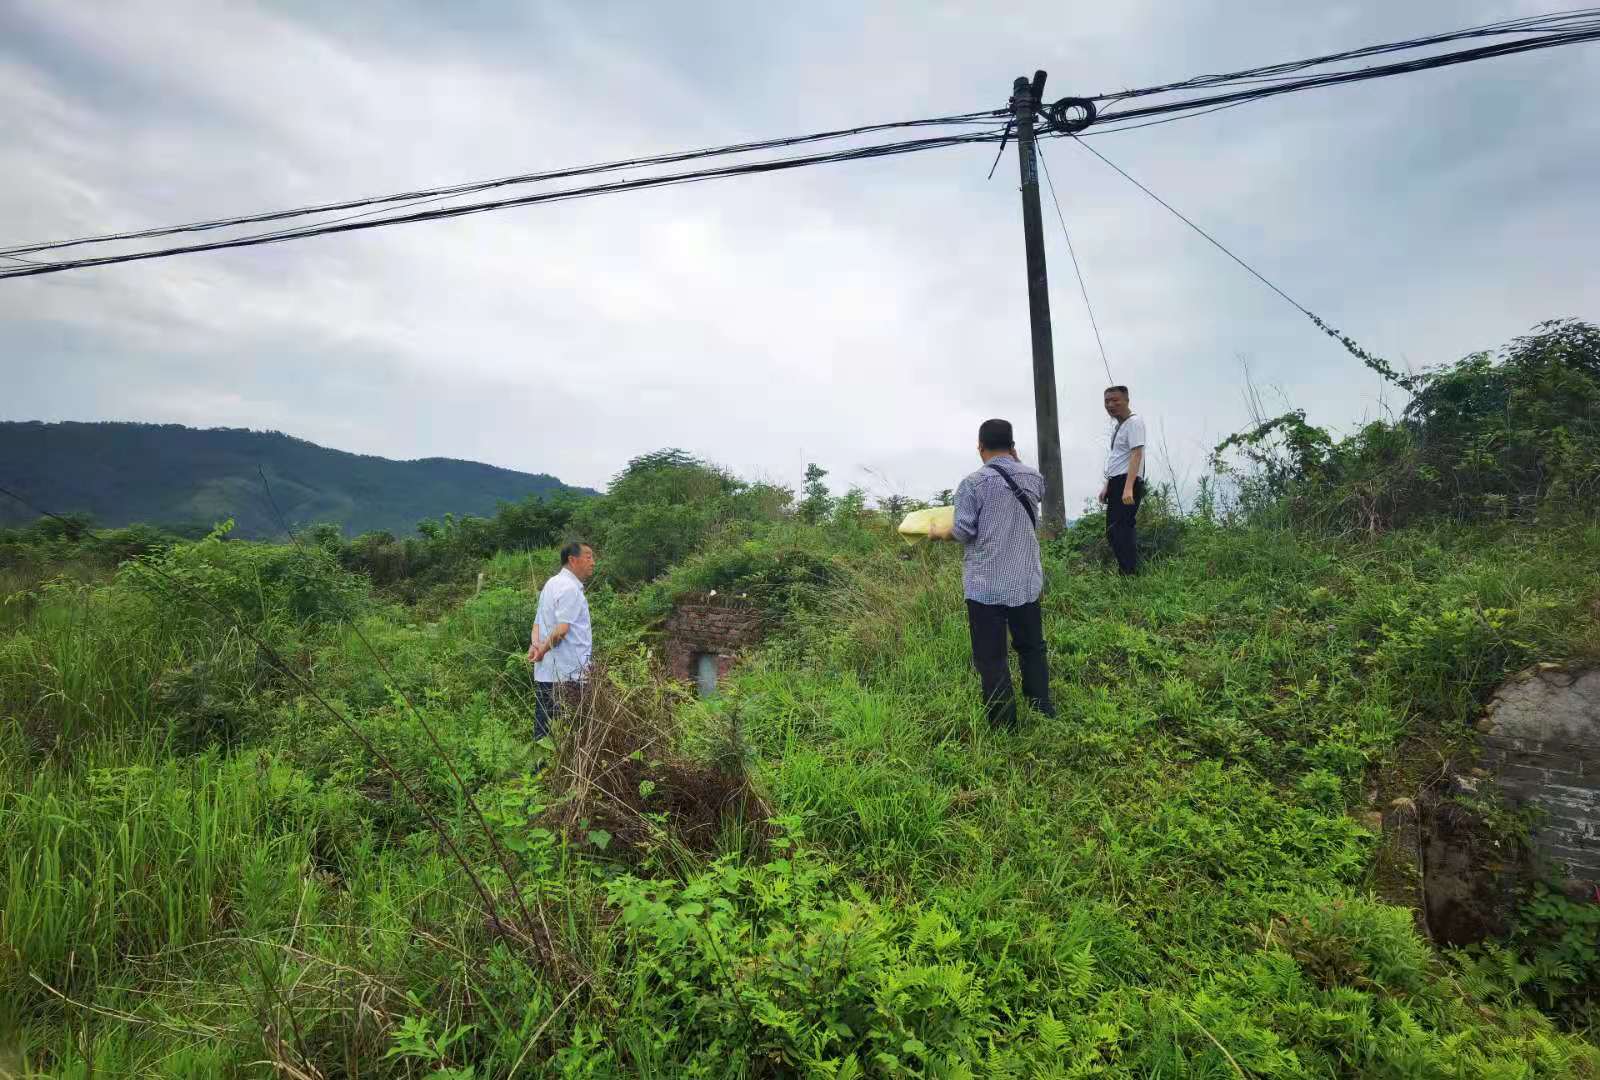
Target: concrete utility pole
{"type": "Point", "coordinates": [1025, 104]}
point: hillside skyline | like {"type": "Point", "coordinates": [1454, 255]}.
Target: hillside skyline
{"type": "Point", "coordinates": [188, 475]}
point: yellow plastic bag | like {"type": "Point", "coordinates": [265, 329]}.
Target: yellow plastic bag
{"type": "Point", "coordinates": [914, 529]}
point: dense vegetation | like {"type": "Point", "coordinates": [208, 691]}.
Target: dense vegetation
{"type": "Point", "coordinates": [264, 816]}
{"type": "Point", "coordinates": [122, 474]}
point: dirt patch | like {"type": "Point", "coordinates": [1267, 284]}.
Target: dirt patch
{"type": "Point", "coordinates": [691, 801]}
{"type": "Point", "coordinates": [617, 776]}
{"type": "Point", "coordinates": [1440, 855]}
{"type": "Point", "coordinates": [1471, 873]}
{"type": "Point", "coordinates": [1400, 791]}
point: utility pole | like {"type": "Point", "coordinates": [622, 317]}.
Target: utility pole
{"type": "Point", "coordinates": [1025, 104]}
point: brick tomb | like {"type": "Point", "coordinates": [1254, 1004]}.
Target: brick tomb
{"type": "Point", "coordinates": [704, 638]}
{"type": "Point", "coordinates": [1541, 741]}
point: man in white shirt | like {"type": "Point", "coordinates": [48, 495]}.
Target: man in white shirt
{"type": "Point", "coordinates": [562, 638]}
{"type": "Point", "coordinates": [1124, 487]}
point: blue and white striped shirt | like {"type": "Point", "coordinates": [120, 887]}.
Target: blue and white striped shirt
{"type": "Point", "coordinates": [1001, 565]}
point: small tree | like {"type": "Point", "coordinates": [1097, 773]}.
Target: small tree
{"type": "Point", "coordinates": [895, 507]}
{"type": "Point", "coordinates": [850, 507]}
{"type": "Point", "coordinates": [662, 507]}
{"type": "Point", "coordinates": [818, 504]}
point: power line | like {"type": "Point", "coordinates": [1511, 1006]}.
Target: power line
{"type": "Point", "coordinates": [473, 187]}
{"type": "Point", "coordinates": [1098, 130]}
{"type": "Point", "coordinates": [1076, 269]}
{"type": "Point", "coordinates": [1272, 80]}
{"type": "Point", "coordinates": [1588, 31]}
{"type": "Point", "coordinates": [771, 165]}
{"type": "Point", "coordinates": [1580, 19]}
{"type": "Point", "coordinates": [1376, 363]}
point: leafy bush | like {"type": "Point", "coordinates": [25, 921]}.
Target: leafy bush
{"type": "Point", "coordinates": [1517, 435]}
{"type": "Point", "coordinates": [255, 584]}
{"type": "Point", "coordinates": [1559, 940]}
{"type": "Point", "coordinates": [1509, 433]}
{"type": "Point", "coordinates": [1342, 941]}
{"type": "Point", "coordinates": [665, 505]}
{"type": "Point", "coordinates": [450, 550]}
{"type": "Point", "coordinates": [500, 620]}
{"type": "Point", "coordinates": [772, 965]}
{"type": "Point", "coordinates": [780, 570]}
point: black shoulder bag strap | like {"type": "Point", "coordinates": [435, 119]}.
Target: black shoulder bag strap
{"type": "Point", "coordinates": [1015, 490]}
{"type": "Point", "coordinates": [1118, 431]}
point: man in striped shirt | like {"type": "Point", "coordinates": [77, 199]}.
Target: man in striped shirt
{"type": "Point", "coordinates": [997, 521]}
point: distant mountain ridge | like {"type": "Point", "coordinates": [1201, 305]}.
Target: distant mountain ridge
{"type": "Point", "coordinates": [169, 474]}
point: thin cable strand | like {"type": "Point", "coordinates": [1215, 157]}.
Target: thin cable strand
{"type": "Point", "coordinates": [1076, 269]}
{"type": "Point", "coordinates": [1212, 239]}
{"type": "Point", "coordinates": [1370, 359]}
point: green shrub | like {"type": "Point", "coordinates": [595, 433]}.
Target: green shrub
{"type": "Point", "coordinates": [254, 584]}
{"type": "Point", "coordinates": [500, 621]}
{"type": "Point", "coordinates": [1559, 939]}
{"type": "Point", "coordinates": [1356, 942]}
{"type": "Point", "coordinates": [1517, 435]}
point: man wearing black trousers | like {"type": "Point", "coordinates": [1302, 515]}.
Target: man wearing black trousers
{"type": "Point", "coordinates": [996, 520]}
{"type": "Point", "coordinates": [1124, 486]}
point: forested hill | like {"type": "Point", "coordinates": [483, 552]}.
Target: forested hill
{"type": "Point", "coordinates": [169, 474]}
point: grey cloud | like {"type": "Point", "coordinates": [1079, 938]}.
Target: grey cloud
{"type": "Point", "coordinates": [861, 315]}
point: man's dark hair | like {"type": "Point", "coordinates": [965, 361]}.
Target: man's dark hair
{"type": "Point", "coordinates": [995, 435]}
{"type": "Point", "coordinates": [1123, 390]}
{"type": "Point", "coordinates": [571, 550]}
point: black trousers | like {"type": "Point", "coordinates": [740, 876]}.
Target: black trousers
{"type": "Point", "coordinates": [988, 624]}
{"type": "Point", "coordinates": [549, 701]}
{"type": "Point", "coordinates": [1120, 521]}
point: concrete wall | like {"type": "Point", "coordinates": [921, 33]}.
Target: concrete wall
{"type": "Point", "coordinates": [1541, 740]}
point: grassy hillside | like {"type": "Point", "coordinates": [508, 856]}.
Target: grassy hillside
{"type": "Point", "coordinates": [207, 872]}
{"type": "Point", "coordinates": [271, 811]}
{"type": "Point", "coordinates": [121, 473]}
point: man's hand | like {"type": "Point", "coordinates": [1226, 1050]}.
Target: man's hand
{"type": "Point", "coordinates": [937, 531]}
{"type": "Point", "coordinates": [1104, 488]}
{"type": "Point", "coordinates": [1127, 497]}
{"type": "Point", "coordinates": [542, 645]}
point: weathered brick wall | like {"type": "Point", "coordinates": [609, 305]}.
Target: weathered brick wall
{"type": "Point", "coordinates": [719, 629]}
{"type": "Point", "coordinates": [1541, 740]}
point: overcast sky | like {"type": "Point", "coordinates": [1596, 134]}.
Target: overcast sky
{"type": "Point", "coordinates": [865, 316]}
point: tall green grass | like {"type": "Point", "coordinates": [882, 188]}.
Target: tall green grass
{"type": "Point", "coordinates": [125, 860]}
{"type": "Point", "coordinates": [205, 874]}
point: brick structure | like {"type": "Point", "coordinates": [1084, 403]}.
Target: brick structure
{"type": "Point", "coordinates": [708, 628]}
{"type": "Point", "coordinates": [1541, 740]}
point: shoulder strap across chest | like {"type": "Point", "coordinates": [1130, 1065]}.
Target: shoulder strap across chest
{"type": "Point", "coordinates": [1033, 518]}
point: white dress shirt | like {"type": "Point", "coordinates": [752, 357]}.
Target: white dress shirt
{"type": "Point", "coordinates": [562, 601]}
